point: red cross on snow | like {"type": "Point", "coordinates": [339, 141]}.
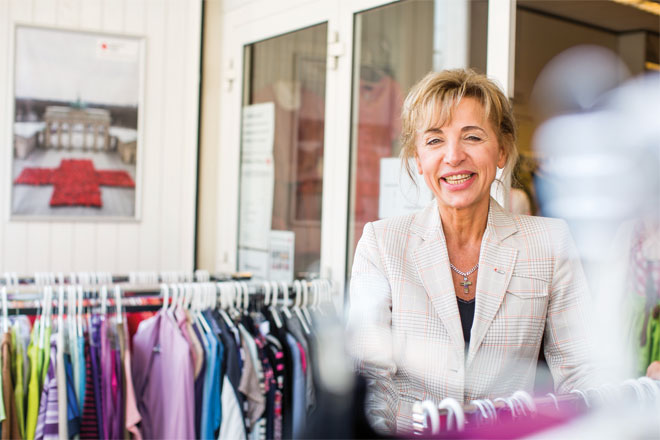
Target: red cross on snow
{"type": "Point", "coordinates": [76, 182]}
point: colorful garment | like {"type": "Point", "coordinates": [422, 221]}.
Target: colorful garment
{"type": "Point", "coordinates": [163, 379]}
{"type": "Point", "coordinates": [47, 423]}
{"type": "Point", "coordinates": [33, 383]}
{"type": "Point", "coordinates": [18, 359]}
{"type": "Point", "coordinates": [10, 424]}
{"type": "Point", "coordinates": [89, 426]}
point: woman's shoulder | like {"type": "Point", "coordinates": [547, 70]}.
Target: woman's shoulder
{"type": "Point", "coordinates": [547, 231]}
{"type": "Point", "coordinates": [405, 224]}
{"type": "Point", "coordinates": [533, 222]}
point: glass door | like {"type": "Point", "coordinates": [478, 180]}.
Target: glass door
{"type": "Point", "coordinates": [394, 47]}
{"type": "Point", "coordinates": [282, 145]}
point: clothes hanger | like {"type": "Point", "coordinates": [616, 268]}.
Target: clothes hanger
{"type": "Point", "coordinates": [305, 308]}
{"type": "Point", "coordinates": [285, 299]}
{"type": "Point", "coordinates": [267, 289]}
{"type": "Point", "coordinates": [119, 313]}
{"type": "Point", "coordinates": [584, 397]}
{"type": "Point", "coordinates": [201, 320]}
{"type": "Point", "coordinates": [70, 314]}
{"type": "Point", "coordinates": [79, 315]}
{"type": "Point", "coordinates": [42, 318]}
{"type": "Point", "coordinates": [273, 306]}
{"type": "Point", "coordinates": [429, 408]}
{"type": "Point", "coordinates": [455, 414]}
{"type": "Point", "coordinates": [525, 399]}
{"type": "Point", "coordinates": [245, 297]}
{"type": "Point", "coordinates": [5, 315]}
{"type": "Point", "coordinates": [60, 310]}
{"type": "Point", "coordinates": [481, 406]}
{"type": "Point", "coordinates": [509, 403]}
{"type": "Point", "coordinates": [165, 293]}
{"type": "Point", "coordinates": [104, 300]}
{"type": "Point", "coordinates": [297, 286]}
{"type": "Point", "coordinates": [225, 301]}
{"type": "Point", "coordinates": [175, 298]}
{"type": "Point", "coordinates": [235, 303]}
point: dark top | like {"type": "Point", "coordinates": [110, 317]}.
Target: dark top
{"type": "Point", "coordinates": [466, 310]}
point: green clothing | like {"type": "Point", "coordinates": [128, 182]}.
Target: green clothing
{"type": "Point", "coordinates": [651, 350]}
{"type": "Point", "coordinates": [3, 415]}
{"type": "Point", "coordinates": [44, 356]}
{"type": "Point", "coordinates": [33, 384]}
{"type": "Point", "coordinates": [17, 369]}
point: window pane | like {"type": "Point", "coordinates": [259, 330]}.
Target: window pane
{"type": "Point", "coordinates": [281, 187]}
{"type": "Point", "coordinates": [395, 46]}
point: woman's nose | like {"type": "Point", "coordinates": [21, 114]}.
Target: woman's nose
{"type": "Point", "coordinates": [454, 153]}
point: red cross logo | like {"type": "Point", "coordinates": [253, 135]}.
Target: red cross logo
{"type": "Point", "coordinates": [76, 182]}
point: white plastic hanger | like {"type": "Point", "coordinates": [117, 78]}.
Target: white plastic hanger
{"type": "Point", "coordinates": [118, 307]}
{"type": "Point", "coordinates": [237, 297]}
{"type": "Point", "coordinates": [305, 304]}
{"type": "Point", "coordinates": [273, 306]}
{"type": "Point", "coordinates": [285, 296]}
{"type": "Point", "coordinates": [267, 290]}
{"type": "Point", "coordinates": [71, 314]}
{"type": "Point", "coordinates": [104, 300]}
{"type": "Point", "coordinates": [246, 296]}
{"type": "Point", "coordinates": [5, 314]}
{"type": "Point", "coordinates": [165, 293]}
{"type": "Point", "coordinates": [297, 285]}
{"type": "Point", "coordinates": [60, 310]}
{"type": "Point", "coordinates": [79, 315]}
{"type": "Point", "coordinates": [200, 317]}
{"type": "Point", "coordinates": [225, 288]}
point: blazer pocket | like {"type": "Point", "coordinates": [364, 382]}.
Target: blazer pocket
{"type": "Point", "coordinates": [527, 287]}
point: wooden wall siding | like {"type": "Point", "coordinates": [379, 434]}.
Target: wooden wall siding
{"type": "Point", "coordinates": [163, 239]}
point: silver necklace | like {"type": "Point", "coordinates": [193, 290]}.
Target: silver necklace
{"type": "Point", "coordinates": [465, 275]}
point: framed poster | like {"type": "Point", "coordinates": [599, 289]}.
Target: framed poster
{"type": "Point", "coordinates": [76, 125]}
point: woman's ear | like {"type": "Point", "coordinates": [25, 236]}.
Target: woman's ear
{"type": "Point", "coordinates": [502, 157]}
{"type": "Point", "coordinates": [419, 165]}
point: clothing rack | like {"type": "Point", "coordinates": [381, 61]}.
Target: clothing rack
{"type": "Point", "coordinates": [427, 415]}
{"type": "Point", "coordinates": [13, 279]}
{"type": "Point", "coordinates": [28, 298]}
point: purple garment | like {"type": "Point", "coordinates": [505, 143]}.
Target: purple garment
{"type": "Point", "coordinates": [47, 422]}
{"type": "Point", "coordinates": [95, 351]}
{"type": "Point", "coordinates": [163, 376]}
{"type": "Point", "coordinates": [107, 364]}
{"type": "Point", "coordinates": [117, 384]}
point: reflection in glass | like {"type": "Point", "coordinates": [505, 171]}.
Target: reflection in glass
{"type": "Point", "coordinates": [395, 46]}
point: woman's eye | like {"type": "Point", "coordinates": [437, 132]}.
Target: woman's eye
{"type": "Point", "coordinates": [473, 138]}
{"type": "Point", "coordinates": [433, 141]}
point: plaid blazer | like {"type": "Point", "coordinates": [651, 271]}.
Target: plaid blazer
{"type": "Point", "coordinates": [405, 328]}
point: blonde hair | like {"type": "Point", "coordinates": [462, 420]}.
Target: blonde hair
{"type": "Point", "coordinates": [434, 98]}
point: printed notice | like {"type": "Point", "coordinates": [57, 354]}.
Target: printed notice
{"type": "Point", "coordinates": [257, 176]}
{"type": "Point", "coordinates": [282, 248]}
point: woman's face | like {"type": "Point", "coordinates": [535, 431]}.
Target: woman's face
{"type": "Point", "coordinates": [460, 158]}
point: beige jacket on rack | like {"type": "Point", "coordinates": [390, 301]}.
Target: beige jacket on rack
{"type": "Point", "coordinates": [405, 328]}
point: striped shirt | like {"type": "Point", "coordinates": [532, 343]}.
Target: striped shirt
{"type": "Point", "coordinates": [47, 427]}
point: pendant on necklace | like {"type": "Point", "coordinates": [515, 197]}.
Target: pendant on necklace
{"type": "Point", "coordinates": [465, 285]}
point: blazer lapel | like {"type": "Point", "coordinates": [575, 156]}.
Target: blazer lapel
{"type": "Point", "coordinates": [496, 263]}
{"type": "Point", "coordinates": [432, 262]}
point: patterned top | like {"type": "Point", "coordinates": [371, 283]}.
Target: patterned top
{"type": "Point", "coordinates": [47, 426]}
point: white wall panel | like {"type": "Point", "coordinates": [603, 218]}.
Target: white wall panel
{"type": "Point", "coordinates": [163, 236]}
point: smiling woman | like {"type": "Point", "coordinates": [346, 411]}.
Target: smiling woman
{"type": "Point", "coordinates": [457, 300]}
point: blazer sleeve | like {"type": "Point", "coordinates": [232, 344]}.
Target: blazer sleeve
{"type": "Point", "coordinates": [370, 331]}
{"type": "Point", "coordinates": [568, 340]}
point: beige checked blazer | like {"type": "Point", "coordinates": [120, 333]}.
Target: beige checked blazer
{"type": "Point", "coordinates": [405, 329]}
